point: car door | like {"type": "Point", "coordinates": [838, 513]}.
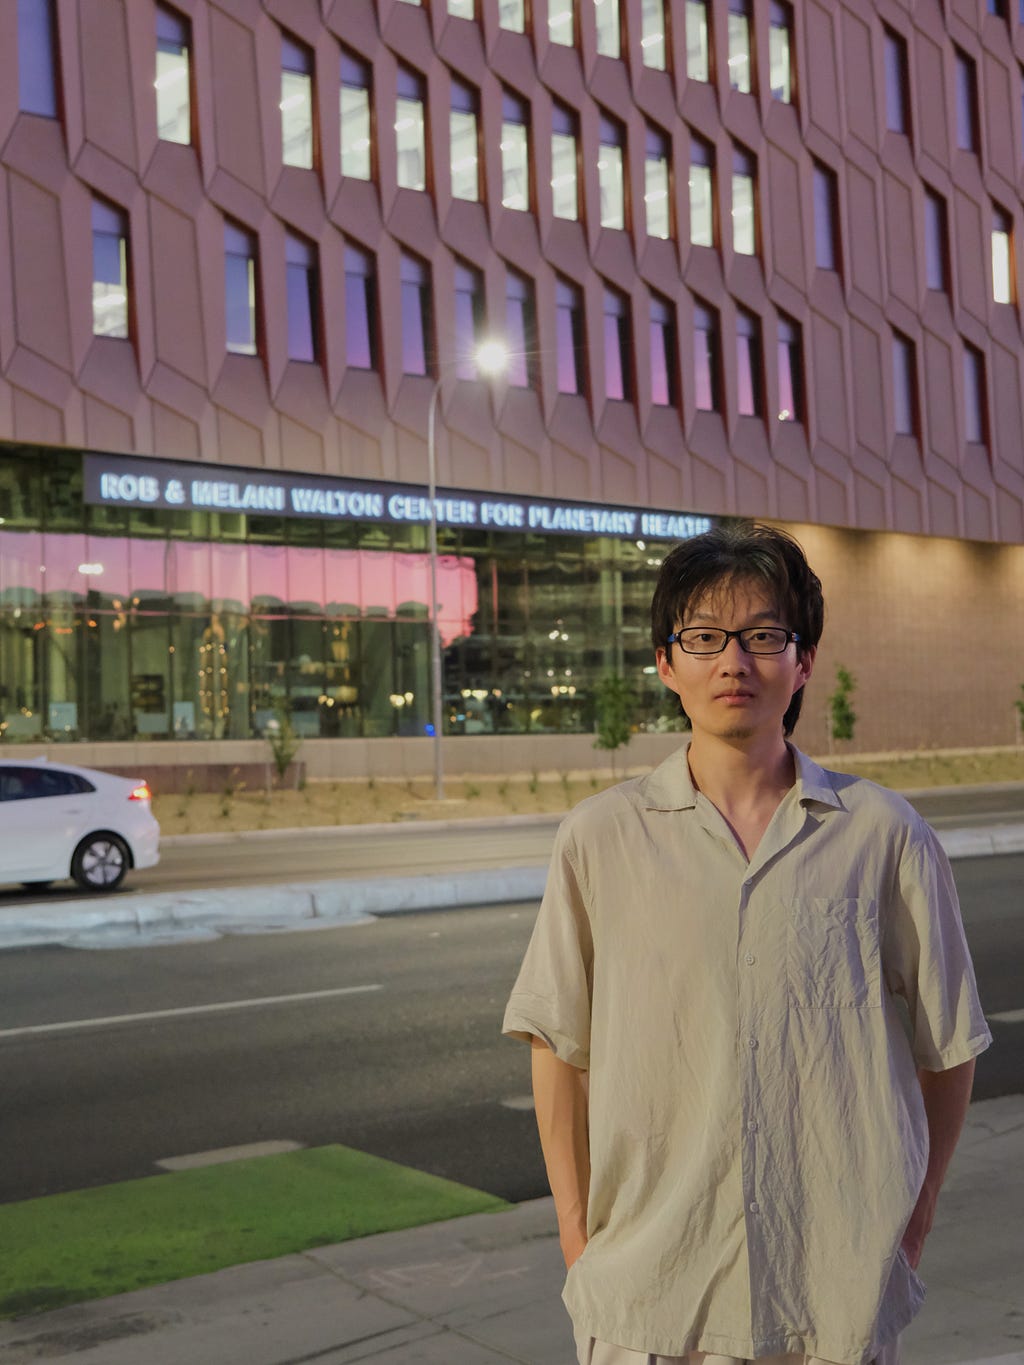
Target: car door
{"type": "Point", "coordinates": [41, 811]}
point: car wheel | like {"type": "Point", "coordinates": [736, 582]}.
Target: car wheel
{"type": "Point", "coordinates": [36, 886]}
{"type": "Point", "coordinates": [100, 862]}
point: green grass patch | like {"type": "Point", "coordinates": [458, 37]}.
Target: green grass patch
{"type": "Point", "coordinates": [88, 1244]}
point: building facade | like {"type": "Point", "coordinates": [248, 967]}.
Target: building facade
{"type": "Point", "coordinates": [747, 259]}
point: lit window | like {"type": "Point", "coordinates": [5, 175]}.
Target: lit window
{"type": "Point", "coordinates": [744, 213]}
{"type": "Point", "coordinates": [296, 103]}
{"type": "Point", "coordinates": [697, 47]}
{"type": "Point", "coordinates": [652, 34]}
{"type": "Point", "coordinates": [410, 136]}
{"type": "Point", "coordinates": [609, 28]}
{"type": "Point", "coordinates": [37, 58]}
{"type": "Point", "coordinates": [702, 180]}
{"type": "Point", "coordinates": [748, 364]}
{"type": "Point", "coordinates": [936, 243]}
{"type": "Point", "coordinates": [780, 51]}
{"type": "Point", "coordinates": [897, 84]}
{"type": "Point", "coordinates": [355, 118]}
{"type": "Point", "coordinates": [416, 315]}
{"type": "Point", "coordinates": [109, 270]}
{"type": "Point", "coordinates": [610, 173]}
{"type": "Point", "coordinates": [561, 26]}
{"type": "Point", "coordinates": [512, 15]}
{"type": "Point", "coordinates": [791, 371]}
{"type": "Point", "coordinates": [1002, 256]}
{"type": "Point", "coordinates": [360, 309]}
{"type": "Point", "coordinates": [656, 184]}
{"type": "Point", "coordinates": [515, 152]}
{"type": "Point", "coordinates": [974, 395]}
{"type": "Point", "coordinates": [904, 373]}
{"type": "Point", "coordinates": [303, 293]}
{"type": "Point", "coordinates": [663, 352]}
{"type": "Point", "coordinates": [569, 336]}
{"type": "Point", "coordinates": [705, 356]}
{"type": "Point", "coordinates": [469, 319]}
{"type": "Point", "coordinates": [417, 3]}
{"type": "Point", "coordinates": [564, 168]}
{"type": "Point", "coordinates": [462, 9]}
{"type": "Point", "coordinates": [740, 73]}
{"type": "Point", "coordinates": [240, 289]}
{"type": "Point", "coordinates": [966, 102]}
{"type": "Point", "coordinates": [173, 85]}
{"type": "Point", "coordinates": [465, 168]}
{"type": "Point", "coordinates": [520, 330]}
{"type": "Point", "coordinates": [826, 218]}
{"type": "Point", "coordinates": [617, 348]}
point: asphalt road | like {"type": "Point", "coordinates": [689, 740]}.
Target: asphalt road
{"type": "Point", "coordinates": [408, 1063]}
{"type": "Point", "coordinates": [270, 858]}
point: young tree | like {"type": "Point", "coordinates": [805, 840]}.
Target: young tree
{"type": "Point", "coordinates": [280, 735]}
{"type": "Point", "coordinates": [1019, 704]}
{"type": "Point", "coordinates": [841, 715]}
{"type": "Point", "coordinates": [614, 700]}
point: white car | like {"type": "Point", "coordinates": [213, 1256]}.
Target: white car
{"type": "Point", "coordinates": [57, 821]}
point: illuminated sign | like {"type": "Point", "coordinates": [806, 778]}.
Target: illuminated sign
{"type": "Point", "coordinates": [122, 481]}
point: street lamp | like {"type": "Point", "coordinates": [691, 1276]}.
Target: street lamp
{"type": "Point", "coordinates": [491, 359]}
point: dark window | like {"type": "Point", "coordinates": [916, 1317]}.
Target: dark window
{"type": "Point", "coordinates": [30, 784]}
{"type": "Point", "coordinates": [240, 289]}
{"type": "Point", "coordinates": [416, 315]}
{"type": "Point", "coordinates": [826, 218]}
{"type": "Point", "coordinates": [791, 371]}
{"type": "Point", "coordinates": [897, 83]}
{"type": "Point", "coordinates": [569, 336]}
{"type": "Point", "coordinates": [904, 373]}
{"type": "Point", "coordinates": [998, 8]}
{"type": "Point", "coordinates": [617, 348]}
{"type": "Point", "coordinates": [748, 364]}
{"type": "Point", "coordinates": [974, 394]}
{"type": "Point", "coordinates": [966, 102]}
{"type": "Point", "coordinates": [303, 294]}
{"type": "Point", "coordinates": [936, 242]}
{"type": "Point", "coordinates": [37, 57]}
{"type": "Point", "coordinates": [469, 319]}
{"type": "Point", "coordinates": [520, 330]}
{"type": "Point", "coordinates": [360, 309]}
{"type": "Point", "coordinates": [705, 355]}
{"type": "Point", "coordinates": [664, 391]}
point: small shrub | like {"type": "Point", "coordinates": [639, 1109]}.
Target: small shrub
{"type": "Point", "coordinates": [841, 716]}
{"type": "Point", "coordinates": [472, 791]}
{"type": "Point", "coordinates": [533, 783]}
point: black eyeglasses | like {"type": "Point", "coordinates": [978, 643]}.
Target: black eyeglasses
{"type": "Point", "coordinates": [754, 639]}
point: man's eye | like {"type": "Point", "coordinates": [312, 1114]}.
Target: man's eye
{"type": "Point", "coordinates": [761, 635]}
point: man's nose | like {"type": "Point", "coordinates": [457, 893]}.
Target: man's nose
{"type": "Point", "coordinates": [734, 658]}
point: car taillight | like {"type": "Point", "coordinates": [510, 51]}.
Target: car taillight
{"type": "Point", "coordinates": [140, 793]}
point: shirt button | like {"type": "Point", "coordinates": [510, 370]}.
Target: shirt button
{"type": "Point", "coordinates": [752, 1126]}
{"type": "Point", "coordinates": [753, 1042]}
{"type": "Point", "coordinates": [750, 959]}
{"type": "Point", "coordinates": [755, 1207]}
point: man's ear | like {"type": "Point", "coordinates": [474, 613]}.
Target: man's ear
{"type": "Point", "coordinates": [665, 669]}
{"type": "Point", "coordinates": [806, 660]}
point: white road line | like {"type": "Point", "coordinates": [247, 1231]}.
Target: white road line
{"type": "Point", "coordinates": [70, 1025]}
{"type": "Point", "coordinates": [1008, 1017]}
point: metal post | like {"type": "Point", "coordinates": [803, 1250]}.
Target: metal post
{"type": "Point", "coordinates": [435, 624]}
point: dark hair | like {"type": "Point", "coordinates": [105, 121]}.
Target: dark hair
{"type": "Point", "coordinates": [741, 552]}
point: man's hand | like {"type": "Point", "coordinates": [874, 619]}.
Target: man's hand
{"type": "Point", "coordinates": [946, 1097]}
{"type": "Point", "coordinates": [572, 1240]}
{"type": "Point", "coordinates": [560, 1101]}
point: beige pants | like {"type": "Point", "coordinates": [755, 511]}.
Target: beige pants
{"type": "Point", "coordinates": [593, 1352]}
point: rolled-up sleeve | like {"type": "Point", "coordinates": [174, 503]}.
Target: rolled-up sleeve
{"type": "Point", "coordinates": [552, 995]}
{"type": "Point", "coordinates": [927, 960]}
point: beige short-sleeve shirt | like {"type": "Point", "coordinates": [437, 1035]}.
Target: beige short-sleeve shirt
{"type": "Point", "coordinates": [752, 1033]}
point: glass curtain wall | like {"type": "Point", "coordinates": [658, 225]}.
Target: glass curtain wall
{"type": "Point", "coordinates": [121, 624]}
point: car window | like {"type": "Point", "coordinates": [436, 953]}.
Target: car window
{"type": "Point", "coordinates": [27, 784]}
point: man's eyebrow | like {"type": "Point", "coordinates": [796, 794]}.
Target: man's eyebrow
{"type": "Point", "coordinates": [758, 616]}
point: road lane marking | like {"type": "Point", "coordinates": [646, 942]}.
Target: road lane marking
{"type": "Point", "coordinates": [1009, 1017]}
{"type": "Point", "coordinates": [220, 1155]}
{"type": "Point", "coordinates": [524, 1102]}
{"type": "Point", "coordinates": [220, 1007]}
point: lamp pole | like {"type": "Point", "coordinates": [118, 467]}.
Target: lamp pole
{"type": "Point", "coordinates": [435, 624]}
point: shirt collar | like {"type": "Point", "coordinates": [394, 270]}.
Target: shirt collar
{"type": "Point", "coordinates": [670, 786]}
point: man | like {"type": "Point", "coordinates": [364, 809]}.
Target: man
{"type": "Point", "coordinates": [752, 1010]}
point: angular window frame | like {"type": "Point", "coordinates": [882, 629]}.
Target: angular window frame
{"type": "Point", "coordinates": [975, 400]}
{"type": "Point", "coordinates": [416, 309]}
{"type": "Point", "coordinates": [302, 290]}
{"type": "Point", "coordinates": [1004, 290]}
{"type": "Point", "coordinates": [827, 243]}
{"type": "Point", "coordinates": [749, 365]}
{"type": "Point", "coordinates": [562, 23]}
{"type": "Point", "coordinates": [968, 120]}
{"type": "Point", "coordinates": [618, 347]}
{"type": "Point", "coordinates": [781, 62]}
{"type": "Point", "coordinates": [707, 353]}
{"type": "Point", "coordinates": [570, 337]}
{"type": "Point", "coordinates": [298, 105]}
{"type": "Point", "coordinates": [355, 116]}
{"type": "Point", "coordinates": [906, 409]}
{"type": "Point", "coordinates": [658, 183]}
{"type": "Point", "coordinates": [897, 81]}
{"type": "Point", "coordinates": [608, 24]}
{"type": "Point", "coordinates": [462, 9]}
{"type": "Point", "coordinates": [698, 41]}
{"type": "Point", "coordinates": [464, 135]}
{"type": "Point", "coordinates": [411, 141]}
{"type": "Point", "coordinates": [241, 309]}
{"type": "Point", "coordinates": [361, 305]}
{"type": "Point", "coordinates": [702, 192]}
{"type": "Point", "coordinates": [565, 153]}
{"type": "Point", "coordinates": [174, 44]}
{"type": "Point", "coordinates": [515, 153]}
{"type": "Point", "coordinates": [520, 330]}
{"type": "Point", "coordinates": [664, 353]}
{"type": "Point", "coordinates": [512, 15]}
{"type": "Point", "coordinates": [111, 271]}
{"type": "Point", "coordinates": [611, 172]}
{"type": "Point", "coordinates": [936, 240]}
{"type": "Point", "coordinates": [790, 357]}
{"type": "Point", "coordinates": [39, 86]}
{"type": "Point", "coordinates": [741, 46]}
{"type": "Point", "coordinates": [654, 34]}
{"type": "Point", "coordinates": [745, 234]}
{"type": "Point", "coordinates": [470, 318]}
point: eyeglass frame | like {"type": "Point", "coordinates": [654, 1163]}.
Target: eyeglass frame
{"type": "Point", "coordinates": [792, 638]}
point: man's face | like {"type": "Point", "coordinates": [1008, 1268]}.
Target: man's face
{"type": "Point", "coordinates": [735, 695]}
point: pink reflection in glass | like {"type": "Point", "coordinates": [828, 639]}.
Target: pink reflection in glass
{"type": "Point", "coordinates": [267, 576]}
{"type": "Point", "coordinates": [62, 556]}
{"type": "Point", "coordinates": [21, 557]}
{"type": "Point", "coordinates": [344, 582]}
{"type": "Point", "coordinates": [188, 574]}
{"type": "Point", "coordinates": [306, 577]}
{"type": "Point", "coordinates": [147, 560]}
{"type": "Point", "coordinates": [229, 576]}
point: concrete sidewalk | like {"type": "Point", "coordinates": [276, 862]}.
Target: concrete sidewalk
{"type": "Point", "coordinates": [485, 1290]}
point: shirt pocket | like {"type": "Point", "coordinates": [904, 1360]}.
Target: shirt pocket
{"type": "Point", "coordinates": [833, 953]}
